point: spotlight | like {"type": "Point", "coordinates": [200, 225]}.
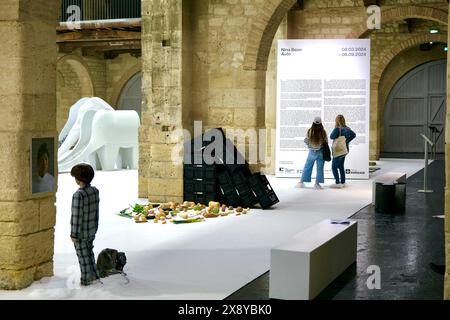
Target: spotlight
{"type": "Point", "coordinates": [434, 30]}
{"type": "Point", "coordinates": [445, 48]}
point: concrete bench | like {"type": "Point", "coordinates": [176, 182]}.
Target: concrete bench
{"type": "Point", "coordinates": [303, 266]}
{"type": "Point", "coordinates": [387, 177]}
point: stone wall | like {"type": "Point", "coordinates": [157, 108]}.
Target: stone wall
{"type": "Point", "coordinates": [160, 178]}
{"type": "Point", "coordinates": [28, 99]}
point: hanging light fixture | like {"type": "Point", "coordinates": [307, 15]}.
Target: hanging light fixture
{"type": "Point", "coordinates": [434, 30]}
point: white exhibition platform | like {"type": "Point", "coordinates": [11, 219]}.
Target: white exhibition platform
{"type": "Point", "coordinates": [207, 260]}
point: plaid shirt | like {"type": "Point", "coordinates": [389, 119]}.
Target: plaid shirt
{"type": "Point", "coordinates": [84, 221]}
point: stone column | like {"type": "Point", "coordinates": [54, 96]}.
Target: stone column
{"type": "Point", "coordinates": [160, 179]}
{"type": "Point", "coordinates": [447, 189]}
{"type": "Point", "coordinates": [28, 109]}
{"type": "Point", "coordinates": [375, 127]}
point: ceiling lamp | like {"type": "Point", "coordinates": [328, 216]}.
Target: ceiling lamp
{"type": "Point", "coordinates": [434, 30]}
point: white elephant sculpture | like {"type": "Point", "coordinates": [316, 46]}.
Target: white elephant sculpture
{"type": "Point", "coordinates": [103, 139]}
{"type": "Point", "coordinates": [71, 131]}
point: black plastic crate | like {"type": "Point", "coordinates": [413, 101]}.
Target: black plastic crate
{"type": "Point", "coordinates": [241, 176]}
{"type": "Point", "coordinates": [193, 186]}
{"type": "Point", "coordinates": [248, 199]}
{"type": "Point", "coordinates": [268, 200]}
{"type": "Point", "coordinates": [232, 200]}
{"type": "Point", "coordinates": [227, 188]}
{"type": "Point", "coordinates": [243, 189]}
{"type": "Point", "coordinates": [231, 158]}
{"type": "Point", "coordinates": [224, 178]}
{"type": "Point", "coordinates": [200, 186]}
{"type": "Point", "coordinates": [259, 184]}
{"type": "Point", "coordinates": [203, 198]}
{"type": "Point", "coordinates": [204, 172]}
{"type": "Point", "coordinates": [192, 171]}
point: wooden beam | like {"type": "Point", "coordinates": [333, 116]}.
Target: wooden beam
{"type": "Point", "coordinates": [100, 46]}
{"type": "Point", "coordinates": [99, 24]}
{"type": "Point", "coordinates": [95, 35]}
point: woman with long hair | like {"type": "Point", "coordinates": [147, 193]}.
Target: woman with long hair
{"type": "Point", "coordinates": [337, 165]}
{"type": "Point", "coordinates": [315, 138]}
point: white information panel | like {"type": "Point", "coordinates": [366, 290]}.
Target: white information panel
{"type": "Point", "coordinates": [322, 78]}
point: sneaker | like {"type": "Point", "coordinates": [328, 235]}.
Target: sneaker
{"type": "Point", "coordinates": [318, 186]}
{"type": "Point", "coordinates": [336, 186]}
{"type": "Point", "coordinates": [344, 185]}
{"type": "Point", "coordinates": [300, 185]}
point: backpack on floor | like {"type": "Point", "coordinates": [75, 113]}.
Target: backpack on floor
{"type": "Point", "coordinates": [110, 261]}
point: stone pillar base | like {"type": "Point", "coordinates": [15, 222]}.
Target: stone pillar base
{"type": "Point", "coordinates": [20, 279]}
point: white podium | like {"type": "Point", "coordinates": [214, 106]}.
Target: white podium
{"type": "Point", "coordinates": [307, 263]}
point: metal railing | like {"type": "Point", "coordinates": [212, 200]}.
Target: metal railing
{"type": "Point", "coordinates": [88, 10]}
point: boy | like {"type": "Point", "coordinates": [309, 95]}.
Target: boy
{"type": "Point", "coordinates": [84, 222]}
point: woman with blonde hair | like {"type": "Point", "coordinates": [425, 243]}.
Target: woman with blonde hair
{"type": "Point", "coordinates": [337, 165]}
{"type": "Point", "coordinates": [315, 139]}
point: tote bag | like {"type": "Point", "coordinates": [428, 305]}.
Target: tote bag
{"type": "Point", "coordinates": [339, 146]}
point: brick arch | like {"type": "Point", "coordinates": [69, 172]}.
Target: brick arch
{"type": "Point", "coordinates": [82, 71]}
{"type": "Point", "coordinates": [389, 15]}
{"type": "Point", "coordinates": [263, 29]}
{"type": "Point", "coordinates": [389, 55]}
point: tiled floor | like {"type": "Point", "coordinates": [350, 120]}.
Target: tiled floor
{"type": "Point", "coordinates": [401, 244]}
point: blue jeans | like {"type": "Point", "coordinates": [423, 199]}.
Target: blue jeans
{"type": "Point", "coordinates": [337, 166]}
{"type": "Point", "coordinates": [313, 156]}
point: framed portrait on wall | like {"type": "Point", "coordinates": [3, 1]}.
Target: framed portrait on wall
{"type": "Point", "coordinates": [43, 166]}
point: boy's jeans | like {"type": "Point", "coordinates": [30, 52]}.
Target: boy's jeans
{"type": "Point", "coordinates": [313, 156]}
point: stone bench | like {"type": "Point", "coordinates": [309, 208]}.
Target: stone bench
{"type": "Point", "coordinates": [307, 263]}
{"type": "Point", "coordinates": [387, 177]}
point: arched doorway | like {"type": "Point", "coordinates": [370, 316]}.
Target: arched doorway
{"type": "Point", "coordinates": [416, 104]}
{"type": "Point", "coordinates": [131, 96]}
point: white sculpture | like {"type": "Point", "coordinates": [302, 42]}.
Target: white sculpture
{"type": "Point", "coordinates": [71, 131]}
{"type": "Point", "coordinates": [73, 113]}
{"type": "Point", "coordinates": [102, 137]}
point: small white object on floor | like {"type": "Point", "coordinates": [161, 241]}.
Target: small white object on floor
{"type": "Point", "coordinates": [439, 217]}
{"type": "Point", "coordinates": [340, 221]}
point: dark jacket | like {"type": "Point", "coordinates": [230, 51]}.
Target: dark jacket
{"type": "Point", "coordinates": [343, 131]}
{"type": "Point", "coordinates": [85, 213]}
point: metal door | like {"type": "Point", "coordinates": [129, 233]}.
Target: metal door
{"type": "Point", "coordinates": [131, 96]}
{"type": "Point", "coordinates": [417, 104]}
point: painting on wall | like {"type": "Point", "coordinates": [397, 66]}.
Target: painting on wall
{"type": "Point", "coordinates": [42, 165]}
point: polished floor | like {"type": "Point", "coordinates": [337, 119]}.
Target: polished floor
{"type": "Point", "coordinates": [402, 245]}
